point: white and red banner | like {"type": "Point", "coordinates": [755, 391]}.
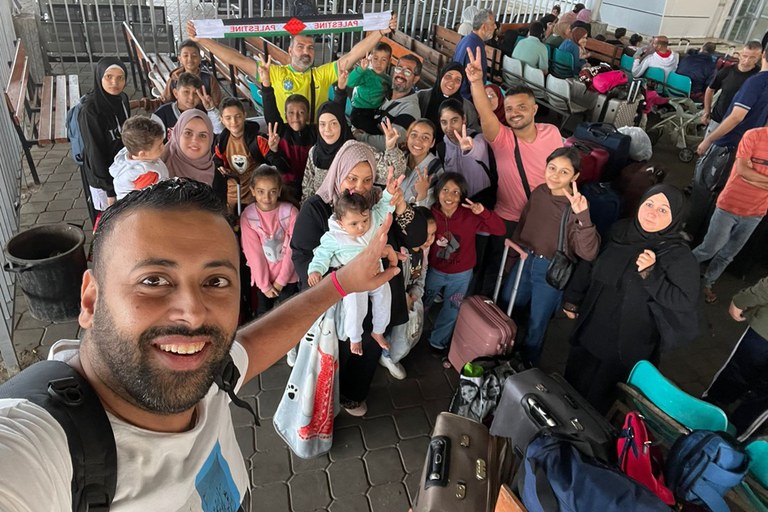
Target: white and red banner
{"type": "Point", "coordinates": [285, 25]}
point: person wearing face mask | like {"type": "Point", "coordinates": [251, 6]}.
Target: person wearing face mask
{"type": "Point", "coordinates": [447, 85]}
{"type": "Point", "coordinates": [644, 270]}
{"type": "Point", "coordinates": [101, 118]}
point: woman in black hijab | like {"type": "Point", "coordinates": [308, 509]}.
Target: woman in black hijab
{"type": "Point", "coordinates": [101, 118]}
{"type": "Point", "coordinates": [645, 276]}
{"type": "Point", "coordinates": [333, 132]}
{"type": "Point", "coordinates": [447, 85]}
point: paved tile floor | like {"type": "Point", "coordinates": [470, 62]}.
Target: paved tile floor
{"type": "Point", "coordinates": [376, 461]}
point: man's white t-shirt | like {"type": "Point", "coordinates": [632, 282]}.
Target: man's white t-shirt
{"type": "Point", "coordinates": [199, 470]}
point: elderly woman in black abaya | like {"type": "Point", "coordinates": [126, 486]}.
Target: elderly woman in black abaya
{"type": "Point", "coordinates": [101, 118]}
{"type": "Point", "coordinates": [641, 290]}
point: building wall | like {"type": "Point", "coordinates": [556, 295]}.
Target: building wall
{"type": "Point", "coordinates": [673, 18]}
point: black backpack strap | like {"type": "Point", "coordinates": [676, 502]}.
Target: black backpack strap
{"type": "Point", "coordinates": [69, 398]}
{"type": "Point", "coordinates": [312, 96]}
{"type": "Point", "coordinates": [520, 168]}
{"type": "Point", "coordinates": [226, 378]}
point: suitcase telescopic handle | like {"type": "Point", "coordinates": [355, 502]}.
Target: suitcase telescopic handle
{"type": "Point", "coordinates": [539, 413]}
{"type": "Point", "coordinates": [499, 277]}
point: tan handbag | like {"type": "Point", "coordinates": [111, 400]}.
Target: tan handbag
{"type": "Point", "coordinates": [464, 468]}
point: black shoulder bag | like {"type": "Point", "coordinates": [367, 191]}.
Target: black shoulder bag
{"type": "Point", "coordinates": [561, 266]}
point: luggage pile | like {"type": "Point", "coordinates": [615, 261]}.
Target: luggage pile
{"type": "Point", "coordinates": [548, 450]}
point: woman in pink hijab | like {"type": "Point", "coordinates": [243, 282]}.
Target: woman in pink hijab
{"type": "Point", "coordinates": [188, 152]}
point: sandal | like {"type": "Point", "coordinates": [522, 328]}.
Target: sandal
{"type": "Point", "coordinates": [710, 297]}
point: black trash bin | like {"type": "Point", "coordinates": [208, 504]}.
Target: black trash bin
{"type": "Point", "coordinates": [49, 261]}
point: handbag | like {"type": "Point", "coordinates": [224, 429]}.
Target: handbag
{"type": "Point", "coordinates": [304, 416]}
{"type": "Point", "coordinates": [406, 335]}
{"type": "Point", "coordinates": [640, 459]}
{"type": "Point", "coordinates": [561, 266]}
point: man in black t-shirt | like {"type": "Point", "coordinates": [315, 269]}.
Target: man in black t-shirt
{"type": "Point", "coordinates": [729, 80]}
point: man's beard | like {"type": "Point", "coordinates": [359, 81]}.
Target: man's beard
{"type": "Point", "coordinates": [152, 387]}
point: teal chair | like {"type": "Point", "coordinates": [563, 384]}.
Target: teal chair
{"type": "Point", "coordinates": [626, 63]}
{"type": "Point", "coordinates": [689, 411]}
{"type": "Point", "coordinates": [255, 92]}
{"type": "Point", "coordinates": [752, 493]}
{"type": "Point", "coordinates": [678, 85]}
{"type": "Point", "coordinates": [562, 64]}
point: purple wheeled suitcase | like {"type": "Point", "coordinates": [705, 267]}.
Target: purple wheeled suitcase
{"type": "Point", "coordinates": [482, 328]}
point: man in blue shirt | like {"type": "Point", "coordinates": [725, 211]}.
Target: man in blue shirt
{"type": "Point", "coordinates": [749, 109]}
{"type": "Point", "coordinates": [483, 28]}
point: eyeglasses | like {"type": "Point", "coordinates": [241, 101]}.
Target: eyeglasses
{"type": "Point", "coordinates": [405, 71]}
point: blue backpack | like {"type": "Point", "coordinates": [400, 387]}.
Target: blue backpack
{"type": "Point", "coordinates": [73, 131]}
{"type": "Point", "coordinates": [557, 477]}
{"type": "Point", "coordinates": [703, 466]}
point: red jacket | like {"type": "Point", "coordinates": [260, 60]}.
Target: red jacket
{"type": "Point", "coordinates": [453, 250]}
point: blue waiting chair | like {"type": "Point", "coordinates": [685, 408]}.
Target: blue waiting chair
{"type": "Point", "coordinates": [562, 64]}
{"type": "Point", "coordinates": [626, 63]}
{"type": "Point", "coordinates": [678, 85]}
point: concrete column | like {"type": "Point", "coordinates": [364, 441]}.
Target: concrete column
{"type": "Point", "coordinates": [27, 26]}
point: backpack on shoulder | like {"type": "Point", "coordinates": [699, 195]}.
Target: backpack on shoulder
{"type": "Point", "coordinates": [73, 131]}
{"type": "Point", "coordinates": [71, 400]}
{"type": "Point", "coordinates": [703, 466]}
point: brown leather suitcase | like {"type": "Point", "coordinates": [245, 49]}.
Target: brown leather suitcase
{"type": "Point", "coordinates": [464, 467]}
{"type": "Point", "coordinates": [482, 328]}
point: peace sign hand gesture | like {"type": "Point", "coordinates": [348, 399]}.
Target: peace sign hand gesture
{"type": "Point", "coordinates": [578, 201]}
{"type": "Point", "coordinates": [263, 68]}
{"type": "Point", "coordinates": [477, 208]}
{"type": "Point", "coordinates": [465, 143]}
{"type": "Point", "coordinates": [205, 98]}
{"type": "Point", "coordinates": [391, 135]}
{"type": "Point", "coordinates": [474, 69]}
{"type": "Point", "coordinates": [421, 185]}
{"type": "Point", "coordinates": [364, 62]}
{"type": "Point", "coordinates": [273, 137]}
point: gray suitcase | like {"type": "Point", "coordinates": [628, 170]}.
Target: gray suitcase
{"type": "Point", "coordinates": [615, 111]}
{"type": "Point", "coordinates": [533, 401]}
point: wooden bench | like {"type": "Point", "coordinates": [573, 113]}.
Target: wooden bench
{"type": "Point", "coordinates": [605, 52]}
{"type": "Point", "coordinates": [238, 82]}
{"type": "Point", "coordinates": [38, 111]}
{"type": "Point", "coordinates": [154, 70]}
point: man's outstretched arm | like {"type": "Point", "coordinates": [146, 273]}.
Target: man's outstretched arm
{"type": "Point", "coordinates": [226, 53]}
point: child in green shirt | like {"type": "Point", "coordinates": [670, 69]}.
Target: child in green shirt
{"type": "Point", "coordinates": [371, 83]}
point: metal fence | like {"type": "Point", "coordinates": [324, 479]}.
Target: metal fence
{"type": "Point", "coordinates": [10, 189]}
{"type": "Point", "coordinates": [82, 31]}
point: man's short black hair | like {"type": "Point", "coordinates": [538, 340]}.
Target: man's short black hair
{"type": "Point", "coordinates": [231, 102]}
{"type": "Point", "coordinates": [635, 39]}
{"type": "Point", "coordinates": [520, 89]}
{"type": "Point", "coordinates": [579, 7]}
{"type": "Point", "coordinates": [172, 194]}
{"type": "Point", "coordinates": [188, 43]}
{"type": "Point", "coordinates": [412, 58]}
{"type": "Point", "coordinates": [619, 32]}
{"type": "Point", "coordinates": [188, 80]}
{"type": "Point", "coordinates": [536, 30]}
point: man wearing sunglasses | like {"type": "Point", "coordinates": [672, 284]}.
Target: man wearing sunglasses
{"type": "Point", "coordinates": [402, 107]}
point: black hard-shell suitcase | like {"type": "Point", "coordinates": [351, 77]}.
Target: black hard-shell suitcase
{"type": "Point", "coordinates": [533, 401]}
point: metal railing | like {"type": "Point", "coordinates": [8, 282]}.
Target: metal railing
{"type": "Point", "coordinates": [10, 189]}
{"type": "Point", "coordinates": [83, 31]}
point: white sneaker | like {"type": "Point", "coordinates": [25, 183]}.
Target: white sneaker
{"type": "Point", "coordinates": [395, 369]}
{"type": "Point", "coordinates": [290, 357]}
{"type": "Point", "coordinates": [354, 408]}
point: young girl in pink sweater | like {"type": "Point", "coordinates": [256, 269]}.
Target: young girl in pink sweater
{"type": "Point", "coordinates": [266, 227]}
